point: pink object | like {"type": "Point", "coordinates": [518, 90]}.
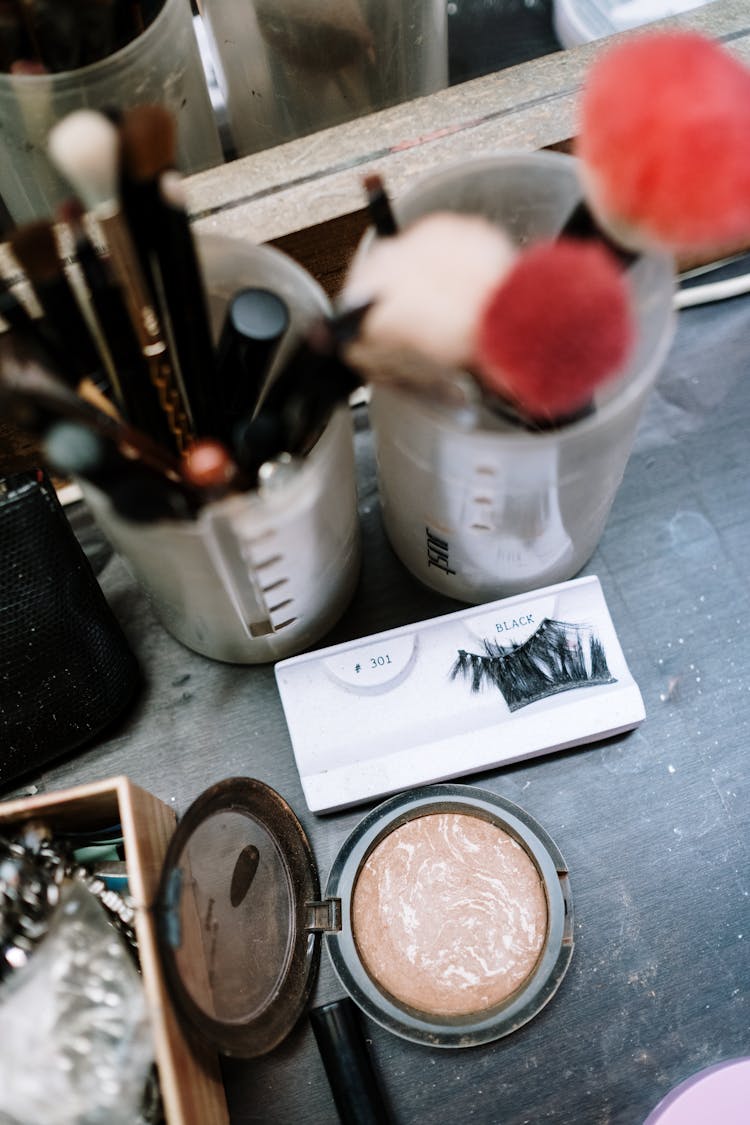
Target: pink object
{"type": "Point", "coordinates": [719, 1094]}
{"type": "Point", "coordinates": [663, 137]}
{"type": "Point", "coordinates": [558, 326]}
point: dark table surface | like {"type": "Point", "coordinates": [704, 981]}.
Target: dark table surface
{"type": "Point", "coordinates": [653, 824]}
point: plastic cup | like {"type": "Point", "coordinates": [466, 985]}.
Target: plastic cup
{"type": "Point", "coordinates": [262, 574]}
{"type": "Point", "coordinates": [480, 511]}
{"type": "Point", "coordinates": [162, 65]}
{"type": "Point", "coordinates": [291, 67]}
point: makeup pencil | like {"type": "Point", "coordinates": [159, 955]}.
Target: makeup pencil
{"type": "Point", "coordinates": [85, 148]}
{"type": "Point", "coordinates": [154, 204]}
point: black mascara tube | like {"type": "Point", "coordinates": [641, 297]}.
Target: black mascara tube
{"type": "Point", "coordinates": [255, 322]}
{"type": "Point", "coordinates": [342, 1047]}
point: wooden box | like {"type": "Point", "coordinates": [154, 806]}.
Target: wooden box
{"type": "Point", "coordinates": [190, 1079]}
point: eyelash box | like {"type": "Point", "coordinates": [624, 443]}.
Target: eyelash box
{"type": "Point", "coordinates": [461, 693]}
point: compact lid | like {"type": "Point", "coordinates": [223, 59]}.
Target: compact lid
{"type": "Point", "coordinates": [236, 917]}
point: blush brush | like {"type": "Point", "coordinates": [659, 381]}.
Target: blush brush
{"type": "Point", "coordinates": [85, 147]}
{"type": "Point", "coordinates": [556, 328]}
{"type": "Point", "coordinates": [663, 142]}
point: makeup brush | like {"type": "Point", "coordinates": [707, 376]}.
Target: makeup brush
{"type": "Point", "coordinates": [663, 141]}
{"type": "Point", "coordinates": [11, 35]}
{"type": "Point", "coordinates": [135, 491]}
{"type": "Point", "coordinates": [28, 385]}
{"type": "Point", "coordinates": [379, 205]}
{"type": "Point", "coordinates": [53, 30]}
{"type": "Point", "coordinates": [136, 396]}
{"type": "Point", "coordinates": [155, 206]}
{"type": "Point", "coordinates": [84, 146]}
{"type": "Point", "coordinates": [557, 327]}
{"type": "Point", "coordinates": [428, 283]}
{"type": "Point", "coordinates": [35, 248]}
{"type": "Point", "coordinates": [98, 29]}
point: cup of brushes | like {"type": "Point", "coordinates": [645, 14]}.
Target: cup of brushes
{"type": "Point", "coordinates": [194, 389]}
{"type": "Point", "coordinates": [521, 307]}
{"type": "Point", "coordinates": [57, 56]}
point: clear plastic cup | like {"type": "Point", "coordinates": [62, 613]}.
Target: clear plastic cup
{"type": "Point", "coordinates": [482, 511]}
{"type": "Point", "coordinates": [292, 67]}
{"type": "Point", "coordinates": [263, 574]}
{"type": "Point", "coordinates": [162, 65]}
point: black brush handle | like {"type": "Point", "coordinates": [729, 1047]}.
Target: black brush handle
{"type": "Point", "coordinates": [347, 1063]}
{"type": "Point", "coordinates": [164, 243]}
{"type": "Point", "coordinates": [138, 398]}
{"type": "Point", "coordinates": [62, 311]}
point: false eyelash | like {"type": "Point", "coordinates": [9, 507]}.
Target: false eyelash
{"type": "Point", "coordinates": [559, 656]}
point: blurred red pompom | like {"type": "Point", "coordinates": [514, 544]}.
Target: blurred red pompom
{"type": "Point", "coordinates": [664, 139]}
{"type": "Point", "coordinates": [559, 325]}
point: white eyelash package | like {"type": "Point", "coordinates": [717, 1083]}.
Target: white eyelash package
{"type": "Point", "coordinates": [454, 695]}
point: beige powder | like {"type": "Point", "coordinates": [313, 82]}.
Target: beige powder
{"type": "Point", "coordinates": [449, 914]}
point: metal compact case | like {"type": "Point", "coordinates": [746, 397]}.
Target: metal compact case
{"type": "Point", "coordinates": [240, 915]}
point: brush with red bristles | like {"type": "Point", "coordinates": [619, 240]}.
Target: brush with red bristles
{"type": "Point", "coordinates": [664, 142]}
{"type": "Point", "coordinates": [556, 328]}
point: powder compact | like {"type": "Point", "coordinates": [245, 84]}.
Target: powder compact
{"type": "Point", "coordinates": [447, 916]}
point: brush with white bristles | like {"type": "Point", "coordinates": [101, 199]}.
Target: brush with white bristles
{"type": "Point", "coordinates": [427, 285]}
{"type": "Point", "coordinates": [85, 148]}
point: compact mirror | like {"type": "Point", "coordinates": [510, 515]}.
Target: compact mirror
{"type": "Point", "coordinates": [238, 959]}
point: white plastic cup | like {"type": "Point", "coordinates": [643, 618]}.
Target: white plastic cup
{"type": "Point", "coordinates": [292, 67]}
{"type": "Point", "coordinates": [162, 65]}
{"type": "Point", "coordinates": [263, 574]}
{"type": "Point", "coordinates": [482, 512]}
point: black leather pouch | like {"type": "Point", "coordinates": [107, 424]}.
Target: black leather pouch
{"type": "Point", "coordinates": [66, 669]}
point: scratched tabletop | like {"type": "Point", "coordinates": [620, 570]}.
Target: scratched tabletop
{"type": "Point", "coordinates": [654, 824]}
